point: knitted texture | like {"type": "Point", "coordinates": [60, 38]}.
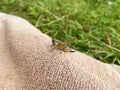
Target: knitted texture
{"type": "Point", "coordinates": [27, 64]}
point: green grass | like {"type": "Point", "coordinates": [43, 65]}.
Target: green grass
{"type": "Point", "coordinates": [94, 23]}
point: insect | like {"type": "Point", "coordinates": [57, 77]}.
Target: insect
{"type": "Point", "coordinates": [63, 46]}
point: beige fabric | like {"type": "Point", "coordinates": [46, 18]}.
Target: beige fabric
{"type": "Point", "coordinates": [26, 64]}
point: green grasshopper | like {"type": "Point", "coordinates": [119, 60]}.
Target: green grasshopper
{"type": "Point", "coordinates": [63, 46]}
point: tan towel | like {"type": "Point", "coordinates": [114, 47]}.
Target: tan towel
{"type": "Point", "coordinates": [27, 64]}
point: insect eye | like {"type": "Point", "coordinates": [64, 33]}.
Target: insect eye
{"type": "Point", "coordinates": [55, 42]}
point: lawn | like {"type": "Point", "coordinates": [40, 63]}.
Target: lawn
{"type": "Point", "coordinates": [95, 24]}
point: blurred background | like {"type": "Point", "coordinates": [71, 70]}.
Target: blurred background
{"type": "Point", "coordinates": [95, 24]}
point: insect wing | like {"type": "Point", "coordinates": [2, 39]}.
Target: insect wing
{"type": "Point", "coordinates": [63, 45]}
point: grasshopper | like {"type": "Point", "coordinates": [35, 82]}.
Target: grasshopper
{"type": "Point", "coordinates": [63, 46]}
